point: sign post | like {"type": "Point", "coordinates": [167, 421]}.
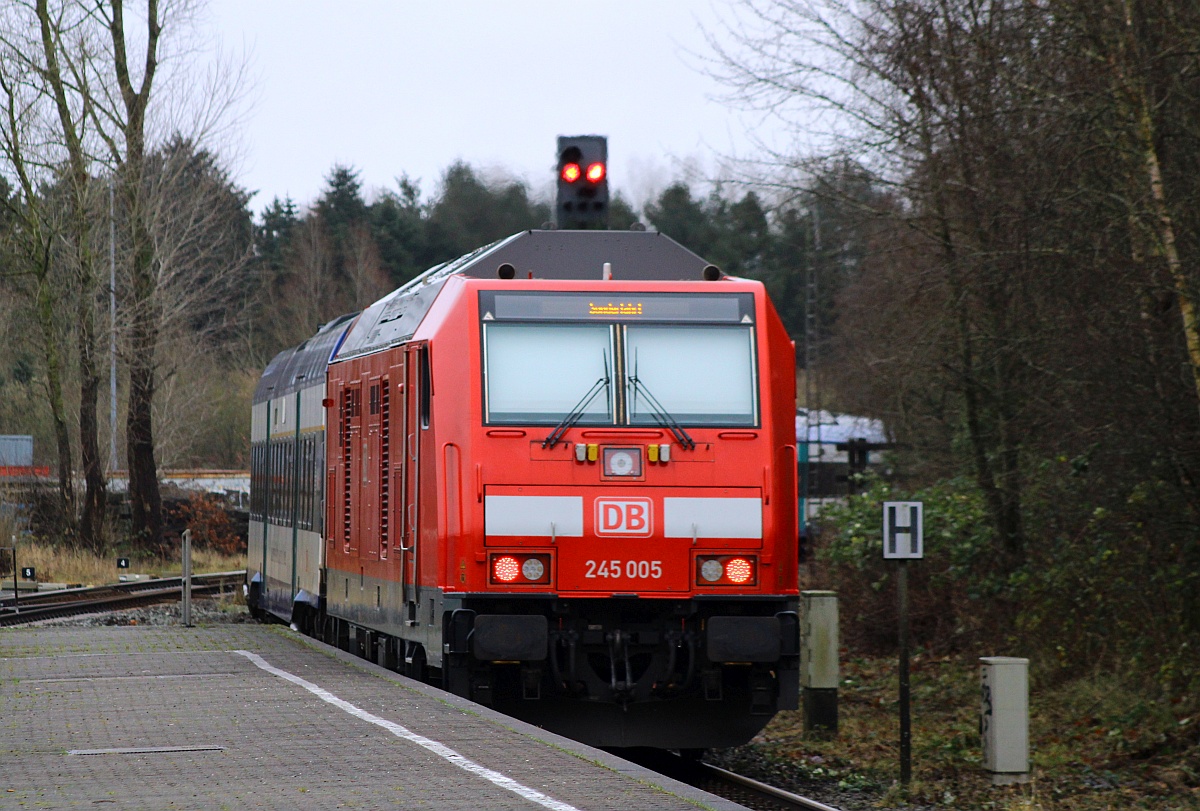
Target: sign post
{"type": "Point", "coordinates": [16, 591]}
{"type": "Point", "coordinates": [187, 579]}
{"type": "Point", "coordinates": [903, 540]}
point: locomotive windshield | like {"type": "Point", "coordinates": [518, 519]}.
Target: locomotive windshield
{"type": "Point", "coordinates": [550, 358]}
{"type": "Point", "coordinates": [537, 373]}
{"type": "Point", "coordinates": [699, 375]}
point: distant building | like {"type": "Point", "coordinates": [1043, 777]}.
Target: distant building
{"type": "Point", "coordinates": [838, 447]}
{"type": "Point", "coordinates": [16, 459]}
{"type": "Point", "coordinates": [16, 451]}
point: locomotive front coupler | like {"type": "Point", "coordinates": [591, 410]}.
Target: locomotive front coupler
{"type": "Point", "coordinates": [568, 680]}
{"type": "Point", "coordinates": [618, 647]}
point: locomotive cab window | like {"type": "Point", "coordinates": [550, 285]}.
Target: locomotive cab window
{"type": "Point", "coordinates": [647, 359]}
{"type": "Point", "coordinates": [701, 375]}
{"type": "Point", "coordinates": [537, 373]}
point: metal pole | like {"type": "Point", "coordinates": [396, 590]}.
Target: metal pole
{"type": "Point", "coordinates": [16, 591]}
{"type": "Point", "coordinates": [905, 720]}
{"type": "Point", "coordinates": [187, 578]}
{"type": "Point", "coordinates": [112, 331]}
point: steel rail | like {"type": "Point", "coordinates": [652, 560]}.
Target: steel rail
{"type": "Point", "coordinates": [783, 799]}
{"type": "Point", "coordinates": [746, 791]}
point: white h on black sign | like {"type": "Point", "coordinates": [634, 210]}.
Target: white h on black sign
{"type": "Point", "coordinates": [903, 529]}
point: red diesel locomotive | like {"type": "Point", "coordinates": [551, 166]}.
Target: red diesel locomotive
{"type": "Point", "coordinates": [557, 476]}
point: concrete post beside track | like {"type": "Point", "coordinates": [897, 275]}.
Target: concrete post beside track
{"type": "Point", "coordinates": [187, 578]}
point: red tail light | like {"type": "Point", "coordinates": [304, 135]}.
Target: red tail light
{"type": "Point", "coordinates": [519, 569]}
{"type": "Point", "coordinates": [726, 570]}
{"type": "Point", "coordinates": [506, 569]}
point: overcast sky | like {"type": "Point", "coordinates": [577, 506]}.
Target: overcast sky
{"type": "Point", "coordinates": [410, 87]}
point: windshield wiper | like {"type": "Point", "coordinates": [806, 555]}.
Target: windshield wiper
{"type": "Point", "coordinates": [663, 417]}
{"type": "Point", "coordinates": [578, 411]}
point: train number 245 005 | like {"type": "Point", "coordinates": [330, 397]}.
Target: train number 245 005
{"type": "Point", "coordinates": [631, 569]}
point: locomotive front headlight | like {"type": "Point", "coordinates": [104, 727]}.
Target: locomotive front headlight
{"type": "Point", "coordinates": [622, 461]}
{"type": "Point", "coordinates": [711, 570]}
{"type": "Point", "coordinates": [533, 569]}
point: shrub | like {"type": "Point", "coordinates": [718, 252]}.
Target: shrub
{"type": "Point", "coordinates": [956, 592]}
{"type": "Point", "coordinates": [211, 525]}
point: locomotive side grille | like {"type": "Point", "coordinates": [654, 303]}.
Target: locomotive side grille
{"type": "Point", "coordinates": [385, 465]}
{"type": "Point", "coordinates": [347, 412]}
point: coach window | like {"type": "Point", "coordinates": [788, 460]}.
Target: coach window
{"type": "Point", "coordinates": [538, 373]}
{"type": "Point", "coordinates": [698, 374]}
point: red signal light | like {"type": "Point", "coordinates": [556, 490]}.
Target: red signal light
{"type": "Point", "coordinates": [595, 172]}
{"type": "Point", "coordinates": [571, 172]}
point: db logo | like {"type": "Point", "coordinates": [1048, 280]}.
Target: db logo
{"type": "Point", "coordinates": [624, 516]}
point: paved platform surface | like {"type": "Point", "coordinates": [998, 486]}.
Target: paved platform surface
{"type": "Point", "coordinates": [250, 716]}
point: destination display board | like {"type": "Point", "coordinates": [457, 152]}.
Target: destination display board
{"type": "Point", "coordinates": [707, 308]}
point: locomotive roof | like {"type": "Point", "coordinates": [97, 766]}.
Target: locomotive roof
{"type": "Point", "coordinates": [579, 255]}
{"type": "Point", "coordinates": [294, 368]}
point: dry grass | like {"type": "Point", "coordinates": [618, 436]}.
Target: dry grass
{"type": "Point", "coordinates": [74, 567]}
{"type": "Point", "coordinates": [1095, 743]}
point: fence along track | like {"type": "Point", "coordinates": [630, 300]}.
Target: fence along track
{"type": "Point", "coordinates": [23, 609]}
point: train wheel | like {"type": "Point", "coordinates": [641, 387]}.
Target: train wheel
{"type": "Point", "coordinates": [253, 602]}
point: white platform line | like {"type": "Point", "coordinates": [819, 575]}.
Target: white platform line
{"type": "Point", "coordinates": [399, 731]}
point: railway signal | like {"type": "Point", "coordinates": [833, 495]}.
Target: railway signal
{"type": "Point", "coordinates": [582, 197]}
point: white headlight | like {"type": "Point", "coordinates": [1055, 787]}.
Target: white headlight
{"type": "Point", "coordinates": [533, 569]}
{"type": "Point", "coordinates": [712, 570]}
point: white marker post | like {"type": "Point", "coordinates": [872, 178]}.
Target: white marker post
{"type": "Point", "coordinates": [904, 540]}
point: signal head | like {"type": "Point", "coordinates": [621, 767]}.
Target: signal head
{"type": "Point", "coordinates": [582, 204]}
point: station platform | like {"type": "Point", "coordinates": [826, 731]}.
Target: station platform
{"type": "Point", "coordinates": [251, 716]}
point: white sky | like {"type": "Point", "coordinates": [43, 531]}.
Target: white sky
{"type": "Point", "coordinates": [409, 87]}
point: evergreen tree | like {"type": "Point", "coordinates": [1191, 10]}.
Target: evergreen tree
{"type": "Point", "coordinates": [683, 218]}
{"type": "Point", "coordinates": [272, 236]}
{"type": "Point", "coordinates": [398, 226]}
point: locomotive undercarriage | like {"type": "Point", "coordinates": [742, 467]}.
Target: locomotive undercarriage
{"type": "Point", "coordinates": [631, 672]}
{"type": "Point", "coordinates": [615, 672]}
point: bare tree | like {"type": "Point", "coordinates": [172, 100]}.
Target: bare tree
{"type": "Point", "coordinates": [82, 207]}
{"type": "Point", "coordinates": [29, 151]}
{"type": "Point", "coordinates": [366, 276]}
{"type": "Point", "coordinates": [101, 74]}
{"type": "Point", "coordinates": [928, 95]}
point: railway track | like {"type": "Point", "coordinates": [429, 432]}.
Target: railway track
{"type": "Point", "coordinates": [723, 783]}
{"type": "Point", "coordinates": [24, 609]}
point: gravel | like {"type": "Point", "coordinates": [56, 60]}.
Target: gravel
{"type": "Point", "coordinates": [752, 762]}
{"type": "Point", "coordinates": [205, 611]}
